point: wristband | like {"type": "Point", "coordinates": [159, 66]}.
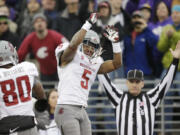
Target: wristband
{"type": "Point", "coordinates": [87, 25]}
{"type": "Point", "coordinates": [116, 47]}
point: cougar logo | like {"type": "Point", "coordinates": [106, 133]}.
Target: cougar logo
{"type": "Point", "coordinates": [11, 47]}
{"type": "Point", "coordinates": [61, 110]}
{"type": "Point", "coordinates": [42, 52]}
{"type": "Point", "coordinates": [94, 39]}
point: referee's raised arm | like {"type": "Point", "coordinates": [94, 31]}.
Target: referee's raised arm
{"type": "Point", "coordinates": [156, 95]}
{"type": "Point", "coordinates": [113, 93]}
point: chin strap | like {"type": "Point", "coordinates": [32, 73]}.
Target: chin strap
{"type": "Point", "coordinates": [97, 53]}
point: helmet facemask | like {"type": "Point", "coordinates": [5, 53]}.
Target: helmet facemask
{"type": "Point", "coordinates": [92, 39]}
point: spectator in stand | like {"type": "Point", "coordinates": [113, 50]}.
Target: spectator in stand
{"type": "Point", "coordinates": [5, 33]}
{"type": "Point", "coordinates": [175, 2]}
{"type": "Point", "coordinates": [52, 128]}
{"type": "Point", "coordinates": [2, 2]}
{"type": "Point", "coordinates": [168, 39]}
{"type": "Point", "coordinates": [140, 47]}
{"type": "Point", "coordinates": [60, 5]}
{"type": "Point", "coordinates": [153, 3]}
{"type": "Point", "coordinates": [146, 11]}
{"type": "Point", "coordinates": [86, 8]}
{"type": "Point", "coordinates": [42, 43]}
{"type": "Point", "coordinates": [161, 18]}
{"type": "Point", "coordinates": [25, 19]}
{"type": "Point", "coordinates": [12, 3]}
{"type": "Point", "coordinates": [21, 6]}
{"type": "Point", "coordinates": [68, 23]}
{"type": "Point", "coordinates": [12, 10]}
{"type": "Point", "coordinates": [131, 6]}
{"type": "Point", "coordinates": [49, 7]}
{"type": "Point", "coordinates": [12, 25]}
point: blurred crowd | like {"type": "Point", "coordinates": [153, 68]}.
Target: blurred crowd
{"type": "Point", "coordinates": [147, 30]}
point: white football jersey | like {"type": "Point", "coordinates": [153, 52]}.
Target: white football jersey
{"type": "Point", "coordinates": [16, 85]}
{"type": "Point", "coordinates": [76, 78]}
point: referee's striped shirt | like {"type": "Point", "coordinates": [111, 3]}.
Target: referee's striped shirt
{"type": "Point", "coordinates": [136, 115]}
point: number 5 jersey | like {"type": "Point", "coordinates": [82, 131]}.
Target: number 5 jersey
{"type": "Point", "coordinates": [76, 78]}
{"type": "Point", "coordinates": [16, 85]}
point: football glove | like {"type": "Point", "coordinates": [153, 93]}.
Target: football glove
{"type": "Point", "coordinates": [111, 33]}
{"type": "Point", "coordinates": [93, 18]}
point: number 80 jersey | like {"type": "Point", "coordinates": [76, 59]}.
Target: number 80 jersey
{"type": "Point", "coordinates": [16, 85]}
{"type": "Point", "coordinates": [76, 78]}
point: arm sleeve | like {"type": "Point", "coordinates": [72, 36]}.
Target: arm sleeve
{"type": "Point", "coordinates": [59, 50]}
{"type": "Point", "coordinates": [31, 69]}
{"type": "Point", "coordinates": [176, 36]}
{"type": "Point", "coordinates": [152, 39]}
{"type": "Point", "coordinates": [112, 92]}
{"type": "Point", "coordinates": [156, 95]}
{"type": "Point", "coordinates": [164, 41]}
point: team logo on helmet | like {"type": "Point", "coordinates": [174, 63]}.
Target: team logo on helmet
{"type": "Point", "coordinates": [94, 40]}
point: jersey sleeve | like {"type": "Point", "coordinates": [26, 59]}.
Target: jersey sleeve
{"type": "Point", "coordinates": [60, 48]}
{"type": "Point", "coordinates": [31, 69]}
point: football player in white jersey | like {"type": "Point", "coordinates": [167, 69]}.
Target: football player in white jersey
{"type": "Point", "coordinates": [78, 64]}
{"type": "Point", "coordinates": [16, 84]}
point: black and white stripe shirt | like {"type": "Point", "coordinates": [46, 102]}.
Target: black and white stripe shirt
{"type": "Point", "coordinates": [136, 115]}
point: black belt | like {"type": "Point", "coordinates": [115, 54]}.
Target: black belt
{"type": "Point", "coordinates": [79, 106]}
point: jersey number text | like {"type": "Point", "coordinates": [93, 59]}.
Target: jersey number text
{"type": "Point", "coordinates": [84, 82]}
{"type": "Point", "coordinates": [10, 95]}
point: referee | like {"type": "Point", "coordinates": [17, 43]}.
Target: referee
{"type": "Point", "coordinates": [135, 110]}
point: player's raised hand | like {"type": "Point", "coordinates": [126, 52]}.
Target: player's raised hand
{"type": "Point", "coordinates": [89, 22]}
{"type": "Point", "coordinates": [176, 51]}
{"type": "Point", "coordinates": [111, 33]}
{"type": "Point", "coordinates": [93, 18]}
